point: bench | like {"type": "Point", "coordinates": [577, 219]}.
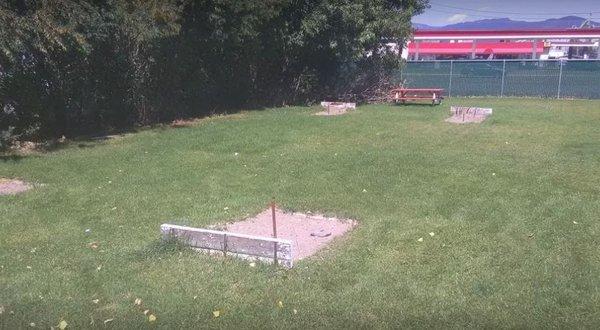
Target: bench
{"type": "Point", "coordinates": [401, 95]}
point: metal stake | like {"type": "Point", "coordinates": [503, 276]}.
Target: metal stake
{"type": "Point", "coordinates": [450, 82]}
{"type": "Point", "coordinates": [274, 232]}
{"type": "Point", "coordinates": [503, 74]}
{"type": "Point", "coordinates": [560, 77]}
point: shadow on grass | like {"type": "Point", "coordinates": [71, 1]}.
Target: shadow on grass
{"type": "Point", "coordinates": [12, 157]}
{"type": "Point", "coordinates": [42, 148]}
{"type": "Point", "coordinates": [160, 248]}
{"type": "Point", "coordinates": [101, 137]}
{"type": "Point", "coordinates": [419, 105]}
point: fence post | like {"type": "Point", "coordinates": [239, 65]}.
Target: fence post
{"type": "Point", "coordinates": [450, 82]}
{"type": "Point", "coordinates": [503, 74]}
{"type": "Point", "coordinates": [560, 62]}
{"type": "Point", "coordinates": [402, 73]}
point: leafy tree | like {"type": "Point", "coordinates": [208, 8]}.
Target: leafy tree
{"type": "Point", "coordinates": [77, 67]}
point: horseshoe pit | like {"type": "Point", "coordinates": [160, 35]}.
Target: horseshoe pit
{"type": "Point", "coordinates": [271, 236]}
{"type": "Point", "coordinates": [13, 186]}
{"type": "Point", "coordinates": [463, 115]}
{"type": "Point", "coordinates": [335, 108]}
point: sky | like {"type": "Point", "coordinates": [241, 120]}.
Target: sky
{"type": "Point", "coordinates": [443, 12]}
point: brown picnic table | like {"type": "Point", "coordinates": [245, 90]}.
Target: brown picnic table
{"type": "Point", "coordinates": [401, 95]}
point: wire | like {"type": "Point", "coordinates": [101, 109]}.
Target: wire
{"type": "Point", "coordinates": [513, 13]}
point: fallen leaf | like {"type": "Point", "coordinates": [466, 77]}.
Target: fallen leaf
{"type": "Point", "coordinates": [146, 312]}
{"type": "Point", "coordinates": [420, 239]}
{"type": "Point", "coordinates": [138, 301]}
{"type": "Point", "coordinates": [432, 234]}
{"type": "Point", "coordinates": [62, 325]}
{"type": "Point", "coordinates": [280, 304]}
{"type": "Point", "coordinates": [93, 245]}
{"type": "Point", "coordinates": [151, 318]}
{"type": "Point", "coordinates": [216, 313]}
{"type": "Point", "coordinates": [108, 320]}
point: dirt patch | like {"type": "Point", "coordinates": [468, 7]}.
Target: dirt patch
{"type": "Point", "coordinates": [464, 115]}
{"type": "Point", "coordinates": [179, 123]}
{"type": "Point", "coordinates": [13, 187]}
{"type": "Point", "coordinates": [26, 148]}
{"type": "Point", "coordinates": [335, 108]}
{"type": "Point", "coordinates": [308, 233]}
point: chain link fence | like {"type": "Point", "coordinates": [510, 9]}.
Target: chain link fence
{"type": "Point", "coordinates": [529, 78]}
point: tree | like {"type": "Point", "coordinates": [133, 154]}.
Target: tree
{"type": "Point", "coordinates": [76, 67]}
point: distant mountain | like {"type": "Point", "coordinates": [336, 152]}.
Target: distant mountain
{"type": "Point", "coordinates": [509, 24]}
{"type": "Point", "coordinates": [419, 26]}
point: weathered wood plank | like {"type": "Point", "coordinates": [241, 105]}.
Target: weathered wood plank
{"type": "Point", "coordinates": [240, 245]}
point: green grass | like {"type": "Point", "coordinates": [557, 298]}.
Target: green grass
{"type": "Point", "coordinates": [421, 175]}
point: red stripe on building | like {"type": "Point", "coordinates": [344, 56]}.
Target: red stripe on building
{"type": "Point", "coordinates": [461, 48]}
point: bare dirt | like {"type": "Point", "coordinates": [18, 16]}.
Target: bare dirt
{"type": "Point", "coordinates": [178, 123]}
{"type": "Point", "coordinates": [308, 233]}
{"type": "Point", "coordinates": [13, 187]}
{"type": "Point", "coordinates": [467, 119]}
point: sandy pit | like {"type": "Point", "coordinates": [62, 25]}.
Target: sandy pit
{"type": "Point", "coordinates": [464, 115]}
{"type": "Point", "coordinates": [13, 187]}
{"type": "Point", "coordinates": [308, 233]}
{"type": "Point", "coordinates": [335, 108]}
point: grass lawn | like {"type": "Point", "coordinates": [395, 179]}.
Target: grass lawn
{"type": "Point", "coordinates": [514, 204]}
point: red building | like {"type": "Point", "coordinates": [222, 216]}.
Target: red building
{"type": "Point", "coordinates": [503, 44]}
